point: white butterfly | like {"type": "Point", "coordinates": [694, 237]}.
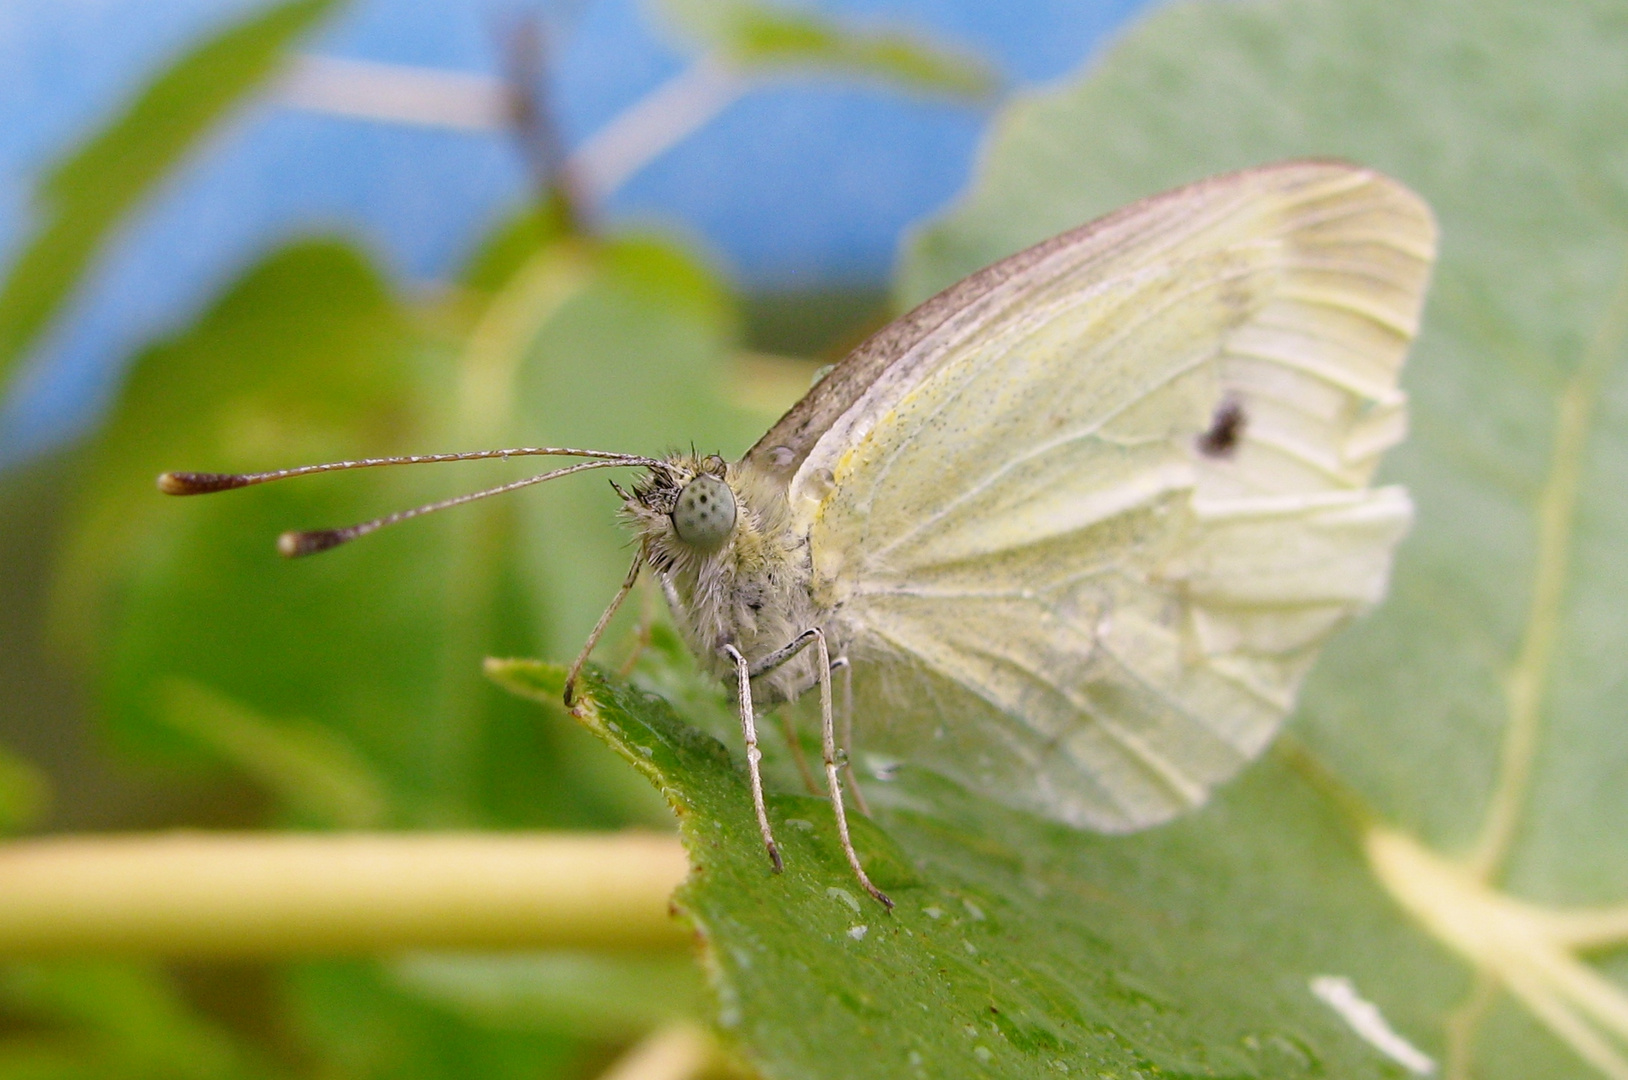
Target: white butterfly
{"type": "Point", "coordinates": [1078, 524]}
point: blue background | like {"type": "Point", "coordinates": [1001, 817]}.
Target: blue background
{"type": "Point", "coordinates": [802, 184]}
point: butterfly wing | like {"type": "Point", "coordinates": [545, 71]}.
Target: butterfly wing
{"type": "Point", "coordinates": [1084, 519]}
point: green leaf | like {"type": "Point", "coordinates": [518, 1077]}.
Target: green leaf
{"type": "Point", "coordinates": [763, 37]}
{"type": "Point", "coordinates": [108, 1019]}
{"type": "Point", "coordinates": [302, 360]}
{"type": "Point", "coordinates": [42, 698]}
{"type": "Point", "coordinates": [24, 792]}
{"type": "Point", "coordinates": [512, 242]}
{"type": "Point", "coordinates": [309, 358]}
{"type": "Point", "coordinates": [1479, 711]}
{"type": "Point", "coordinates": [1017, 947]}
{"type": "Point", "coordinates": [311, 768]}
{"type": "Point", "coordinates": [357, 1021]}
{"type": "Point", "coordinates": [86, 197]}
{"type": "Point", "coordinates": [612, 997]}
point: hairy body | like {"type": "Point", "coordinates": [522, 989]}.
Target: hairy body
{"type": "Point", "coordinates": [755, 591]}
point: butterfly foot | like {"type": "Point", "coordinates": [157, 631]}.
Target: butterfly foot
{"type": "Point", "coordinates": [573, 699]}
{"type": "Point", "coordinates": [774, 857]}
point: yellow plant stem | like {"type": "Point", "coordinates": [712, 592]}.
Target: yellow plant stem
{"type": "Point", "coordinates": [274, 895]}
{"type": "Point", "coordinates": [681, 1051]}
{"type": "Point", "coordinates": [1528, 679]}
{"type": "Point", "coordinates": [1527, 948]}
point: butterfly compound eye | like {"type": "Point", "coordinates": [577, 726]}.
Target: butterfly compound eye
{"type": "Point", "coordinates": [704, 515]}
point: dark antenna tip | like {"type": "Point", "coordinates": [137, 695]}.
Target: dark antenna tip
{"type": "Point", "coordinates": [293, 544]}
{"type": "Point", "coordinates": [199, 483]}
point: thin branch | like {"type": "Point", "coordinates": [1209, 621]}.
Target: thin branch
{"type": "Point", "coordinates": [650, 127]}
{"type": "Point", "coordinates": [397, 93]}
{"type": "Point", "coordinates": [402, 94]}
{"type": "Point", "coordinates": [527, 55]}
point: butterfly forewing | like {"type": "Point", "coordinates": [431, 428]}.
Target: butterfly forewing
{"type": "Point", "coordinates": [1091, 518]}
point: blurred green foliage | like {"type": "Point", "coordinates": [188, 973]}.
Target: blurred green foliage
{"type": "Point", "coordinates": [563, 992]}
{"type": "Point", "coordinates": [757, 37]}
{"type": "Point", "coordinates": [344, 691]}
{"type": "Point", "coordinates": [100, 1019]}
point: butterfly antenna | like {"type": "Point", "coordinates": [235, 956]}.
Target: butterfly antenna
{"type": "Point", "coordinates": [201, 483]}
{"type": "Point", "coordinates": [308, 542]}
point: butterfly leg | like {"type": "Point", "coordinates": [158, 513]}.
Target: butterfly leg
{"type": "Point", "coordinates": [642, 633]}
{"type": "Point", "coordinates": [847, 738]}
{"type": "Point", "coordinates": [599, 628]}
{"type": "Point", "coordinates": [743, 679]}
{"type": "Point", "coordinates": [816, 637]}
{"type": "Point", "coordinates": [833, 781]}
{"type": "Point", "coordinates": [789, 731]}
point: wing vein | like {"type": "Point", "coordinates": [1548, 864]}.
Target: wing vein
{"type": "Point", "coordinates": [1155, 764]}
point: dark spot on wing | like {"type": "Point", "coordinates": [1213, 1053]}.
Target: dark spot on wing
{"type": "Point", "coordinates": [1226, 430]}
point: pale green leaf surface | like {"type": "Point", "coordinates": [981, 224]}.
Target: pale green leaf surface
{"type": "Point", "coordinates": [267, 375]}
{"type": "Point", "coordinates": [1506, 117]}
{"type": "Point", "coordinates": [85, 198]}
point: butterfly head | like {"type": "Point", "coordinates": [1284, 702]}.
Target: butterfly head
{"type": "Point", "coordinates": [684, 509]}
